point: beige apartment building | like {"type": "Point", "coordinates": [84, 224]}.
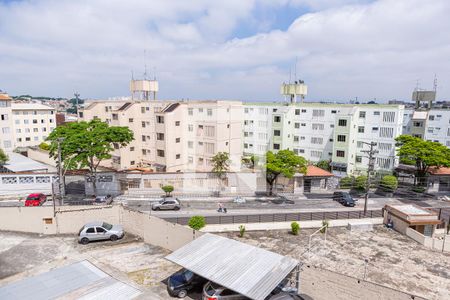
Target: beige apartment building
{"type": "Point", "coordinates": [172, 136]}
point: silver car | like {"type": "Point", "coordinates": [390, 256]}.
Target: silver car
{"type": "Point", "coordinates": [212, 290]}
{"type": "Point", "coordinates": [96, 231]}
{"type": "Point", "coordinates": [167, 204]}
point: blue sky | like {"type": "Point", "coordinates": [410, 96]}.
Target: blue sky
{"type": "Point", "coordinates": [234, 49]}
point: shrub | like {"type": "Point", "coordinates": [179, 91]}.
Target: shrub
{"type": "Point", "coordinates": [324, 165]}
{"type": "Point", "coordinates": [197, 222]}
{"type": "Point", "coordinates": [346, 182]}
{"type": "Point", "coordinates": [360, 182]}
{"type": "Point", "coordinates": [389, 183]}
{"type": "Point", "coordinates": [295, 228]}
{"type": "Point", "coordinates": [167, 189]}
{"type": "Point", "coordinates": [326, 224]}
{"type": "Point", "coordinates": [418, 189]}
{"type": "Point", "coordinates": [44, 146]}
{"type": "Point", "coordinates": [241, 230]}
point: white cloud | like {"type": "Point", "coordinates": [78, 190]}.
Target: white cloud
{"type": "Point", "coordinates": [345, 49]}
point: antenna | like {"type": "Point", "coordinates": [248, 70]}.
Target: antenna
{"type": "Point", "coordinates": [145, 64]}
{"type": "Point", "coordinates": [295, 70]}
{"type": "Point", "coordinates": [417, 84]}
{"type": "Point", "coordinates": [435, 83]}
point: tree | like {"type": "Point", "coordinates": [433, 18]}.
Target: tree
{"type": "Point", "coordinates": [3, 157]}
{"type": "Point", "coordinates": [295, 228]}
{"type": "Point", "coordinates": [346, 182]}
{"type": "Point", "coordinates": [360, 182]}
{"type": "Point", "coordinates": [324, 165]}
{"type": "Point", "coordinates": [389, 183]}
{"type": "Point", "coordinates": [284, 162]}
{"type": "Point", "coordinates": [167, 189]}
{"type": "Point", "coordinates": [250, 161]}
{"type": "Point", "coordinates": [87, 144]}
{"type": "Point", "coordinates": [422, 154]}
{"type": "Point", "coordinates": [221, 163]}
{"type": "Point", "coordinates": [197, 222]}
{"type": "Point", "coordinates": [44, 146]}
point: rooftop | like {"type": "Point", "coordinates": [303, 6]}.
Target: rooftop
{"type": "Point", "coordinates": [313, 171]}
{"type": "Point", "coordinates": [20, 163]}
{"type": "Point", "coordinates": [30, 106]}
{"type": "Point", "coordinates": [439, 171]}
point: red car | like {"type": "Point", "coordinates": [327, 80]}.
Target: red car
{"type": "Point", "coordinates": [35, 199]}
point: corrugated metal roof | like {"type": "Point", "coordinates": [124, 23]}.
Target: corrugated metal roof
{"type": "Point", "coordinates": [245, 269]}
{"type": "Point", "coordinates": [80, 280]}
{"type": "Point", "coordinates": [19, 163]}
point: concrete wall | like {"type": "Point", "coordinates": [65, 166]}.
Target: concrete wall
{"type": "Point", "coordinates": [42, 156]}
{"type": "Point", "coordinates": [323, 284]}
{"type": "Point", "coordinates": [69, 220]}
{"type": "Point", "coordinates": [24, 184]}
{"type": "Point", "coordinates": [429, 242]}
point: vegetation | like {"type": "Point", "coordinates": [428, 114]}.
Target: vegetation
{"type": "Point", "coordinates": [44, 146]}
{"type": "Point", "coordinates": [284, 162]}
{"type": "Point", "coordinates": [346, 182]}
{"type": "Point", "coordinates": [325, 225]}
{"type": "Point", "coordinates": [422, 154]}
{"type": "Point", "coordinates": [250, 161]}
{"type": "Point", "coordinates": [167, 189]}
{"type": "Point", "coordinates": [241, 230]}
{"type": "Point", "coordinates": [221, 163]}
{"type": "Point", "coordinates": [360, 183]}
{"type": "Point", "coordinates": [389, 183]}
{"type": "Point", "coordinates": [3, 157]}
{"type": "Point", "coordinates": [86, 144]}
{"type": "Point", "coordinates": [295, 228]}
{"type": "Point", "coordinates": [324, 165]}
{"type": "Point", "coordinates": [197, 222]}
{"type": "Point", "coordinates": [418, 189]}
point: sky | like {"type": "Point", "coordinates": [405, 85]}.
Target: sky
{"type": "Point", "coordinates": [234, 49]}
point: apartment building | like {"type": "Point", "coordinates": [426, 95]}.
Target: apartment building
{"type": "Point", "coordinates": [173, 136]}
{"type": "Point", "coordinates": [432, 125]}
{"type": "Point", "coordinates": [6, 130]}
{"type": "Point", "coordinates": [316, 131]}
{"type": "Point", "coordinates": [31, 123]}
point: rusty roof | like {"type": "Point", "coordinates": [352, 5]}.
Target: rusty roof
{"type": "Point", "coordinates": [313, 171]}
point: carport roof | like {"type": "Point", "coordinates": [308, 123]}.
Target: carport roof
{"type": "Point", "coordinates": [245, 269]}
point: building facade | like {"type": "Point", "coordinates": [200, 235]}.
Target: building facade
{"type": "Point", "coordinates": [6, 130]}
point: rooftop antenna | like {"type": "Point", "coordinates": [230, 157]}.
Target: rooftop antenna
{"type": "Point", "coordinates": [417, 84]}
{"type": "Point", "coordinates": [435, 83]}
{"type": "Point", "coordinates": [145, 64]}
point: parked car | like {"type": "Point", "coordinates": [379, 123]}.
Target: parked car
{"type": "Point", "coordinates": [213, 291]}
{"type": "Point", "coordinates": [286, 296]}
{"type": "Point", "coordinates": [338, 195]}
{"type": "Point", "coordinates": [347, 200]}
{"type": "Point", "coordinates": [239, 199]}
{"type": "Point", "coordinates": [99, 200]}
{"type": "Point", "coordinates": [180, 283]}
{"type": "Point", "coordinates": [36, 199]}
{"type": "Point", "coordinates": [167, 204]}
{"type": "Point", "coordinates": [97, 231]}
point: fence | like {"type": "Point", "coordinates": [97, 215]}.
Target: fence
{"type": "Point", "coordinates": [281, 217]}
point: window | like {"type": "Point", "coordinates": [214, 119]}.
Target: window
{"type": "Point", "coordinates": [27, 139]}
{"type": "Point", "coordinates": [160, 136]}
{"type": "Point", "coordinates": [276, 146]}
{"type": "Point", "coordinates": [361, 129]}
{"type": "Point", "coordinates": [316, 140]}
{"type": "Point", "coordinates": [100, 229]}
{"type": "Point", "coordinates": [27, 130]}
{"type": "Point", "coordinates": [160, 119]}
{"type": "Point", "coordinates": [210, 131]}
{"type": "Point", "coordinates": [386, 132]}
{"type": "Point", "coordinates": [334, 111]}
{"type": "Point", "coordinates": [114, 116]}
{"type": "Point", "coordinates": [26, 121]}
{"type": "Point", "coordinates": [4, 117]}
{"type": "Point", "coordinates": [190, 144]}
{"type": "Point", "coordinates": [384, 163]}
{"type": "Point", "coordinates": [177, 140]}
{"type": "Point", "coordinates": [51, 120]}
{"type": "Point", "coordinates": [318, 113]}
{"type": "Point", "coordinates": [358, 159]}
{"type": "Point", "coordinates": [374, 128]}
{"type": "Point", "coordinates": [303, 124]}
{"type": "Point", "coordinates": [35, 129]}
{"type": "Point", "coordinates": [160, 153]}
{"type": "Point", "coordinates": [341, 138]}
{"type": "Point", "coordinates": [303, 110]}
{"type": "Point", "coordinates": [132, 162]}
{"type": "Point", "coordinates": [316, 154]}
{"type": "Point", "coordinates": [7, 144]}
{"type": "Point", "coordinates": [317, 126]}
{"type": "Point", "coordinates": [6, 130]}
{"type": "Point", "coordinates": [190, 127]}
{"type": "Point", "coordinates": [177, 156]}
{"type": "Point", "coordinates": [19, 139]}
{"type": "Point", "coordinates": [209, 112]}
{"type": "Point", "coordinates": [362, 114]}
{"type": "Point", "coordinates": [143, 110]}
{"type": "Point", "coordinates": [277, 119]}
{"type": "Point", "coordinates": [200, 110]}
{"type": "Point", "coordinates": [245, 146]}
{"type": "Point", "coordinates": [417, 124]}
{"type": "Point", "coordinates": [384, 146]}
{"type": "Point", "coordinates": [389, 116]}
{"type": "Point", "coordinates": [297, 125]}
{"type": "Point", "coordinates": [302, 138]}
{"type": "Point", "coordinates": [359, 144]}
{"type": "Point", "coordinates": [342, 122]}
{"type": "Point", "coordinates": [177, 123]}
{"type": "Point", "coordinates": [209, 148]}
{"type": "Point", "coordinates": [296, 138]}
{"type": "Point", "coordinates": [131, 149]}
{"type": "Point", "coordinates": [144, 151]}
{"type": "Point", "coordinates": [246, 110]}
{"type": "Point", "coordinates": [276, 133]}
{"type": "Point", "coordinates": [42, 120]}
{"type": "Point", "coordinates": [143, 138]}
{"type": "Point", "coordinates": [143, 124]}
{"type": "Point", "coordinates": [340, 153]}
{"type": "Point", "coordinates": [190, 111]}
{"type": "Point", "coordinates": [376, 113]}
{"type": "Point", "coordinates": [90, 230]}
{"type": "Point", "coordinates": [17, 122]}
{"type": "Point", "coordinates": [297, 112]}
{"type": "Point", "coordinates": [190, 159]}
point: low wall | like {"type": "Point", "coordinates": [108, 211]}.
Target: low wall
{"type": "Point", "coordinates": [25, 184]}
{"type": "Point", "coordinates": [429, 242]}
{"type": "Point", "coordinates": [42, 156]}
{"type": "Point", "coordinates": [69, 220]}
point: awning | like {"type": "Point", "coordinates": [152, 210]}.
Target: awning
{"type": "Point", "coordinates": [245, 269]}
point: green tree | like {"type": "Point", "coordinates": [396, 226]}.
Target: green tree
{"type": "Point", "coordinates": [167, 189]}
{"type": "Point", "coordinates": [346, 182]}
{"type": "Point", "coordinates": [3, 157]}
{"type": "Point", "coordinates": [389, 183]}
{"type": "Point", "coordinates": [360, 182]}
{"type": "Point", "coordinates": [422, 154]}
{"type": "Point", "coordinates": [295, 228]}
{"type": "Point", "coordinates": [44, 146]}
{"type": "Point", "coordinates": [197, 222]}
{"type": "Point", "coordinates": [284, 162]}
{"type": "Point", "coordinates": [221, 163]}
{"type": "Point", "coordinates": [250, 161]}
{"type": "Point", "coordinates": [87, 144]}
{"type": "Point", "coordinates": [324, 165]}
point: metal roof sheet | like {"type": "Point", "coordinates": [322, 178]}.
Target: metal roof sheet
{"type": "Point", "coordinates": [19, 163]}
{"type": "Point", "coordinates": [245, 269]}
{"type": "Point", "coordinates": [80, 280]}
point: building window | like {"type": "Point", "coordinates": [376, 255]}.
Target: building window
{"type": "Point", "coordinates": [316, 140]}
{"type": "Point", "coordinates": [374, 128]}
{"type": "Point", "coordinates": [19, 139]}
{"type": "Point", "coordinates": [316, 126]}
{"type": "Point", "coordinates": [177, 123]}
{"type": "Point", "coordinates": [27, 139]}
{"type": "Point", "coordinates": [177, 140]}
{"type": "Point", "coordinates": [160, 153]}
{"type": "Point", "coordinates": [417, 124]}
{"type": "Point", "coordinates": [160, 136]}
{"type": "Point", "coordinates": [114, 116]}
{"type": "Point", "coordinates": [35, 121]}
{"type": "Point", "coordinates": [200, 110]}
{"type": "Point", "coordinates": [362, 114]}
{"type": "Point", "coordinates": [51, 120]}
{"type": "Point", "coordinates": [302, 138]}
{"type": "Point", "coordinates": [209, 112]}
{"type": "Point", "coordinates": [277, 119]}
{"type": "Point", "coordinates": [132, 162]}
{"type": "Point", "coordinates": [296, 138]}
{"type": "Point", "coordinates": [143, 124]}
{"type": "Point", "coordinates": [4, 117]}
{"type": "Point", "coordinates": [177, 156]}
{"type": "Point", "coordinates": [361, 129]}
{"type": "Point", "coordinates": [376, 113]}
{"type": "Point", "coordinates": [190, 144]}
{"type": "Point", "coordinates": [342, 122]}
{"type": "Point", "coordinates": [358, 159]}
{"type": "Point", "coordinates": [7, 144]}
{"type": "Point", "coordinates": [143, 138]}
{"type": "Point", "coordinates": [144, 151]}
{"type": "Point", "coordinates": [190, 127]}
{"type": "Point", "coordinates": [143, 110]}
{"type": "Point", "coordinates": [334, 111]}
{"type": "Point", "coordinates": [131, 149]}
{"type": "Point", "coordinates": [340, 153]}
{"type": "Point", "coordinates": [276, 133]}
{"type": "Point", "coordinates": [276, 146]}
{"type": "Point", "coordinates": [303, 124]}
{"type": "Point", "coordinates": [341, 138]}
{"type": "Point", "coordinates": [245, 146]}
{"type": "Point", "coordinates": [160, 119]}
{"type": "Point", "coordinates": [318, 113]}
{"type": "Point", "coordinates": [297, 112]}
{"type": "Point", "coordinates": [303, 110]}
{"type": "Point", "coordinates": [190, 111]}
{"type": "Point", "coordinates": [297, 125]}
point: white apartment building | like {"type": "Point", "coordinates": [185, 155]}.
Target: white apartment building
{"type": "Point", "coordinates": [6, 130]}
{"type": "Point", "coordinates": [31, 123]}
{"type": "Point", "coordinates": [316, 131]}
{"type": "Point", "coordinates": [173, 136]}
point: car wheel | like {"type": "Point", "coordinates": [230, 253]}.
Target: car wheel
{"type": "Point", "coordinates": [85, 241]}
{"type": "Point", "coordinates": [182, 294]}
{"type": "Point", "coordinates": [177, 208]}
{"type": "Point", "coordinates": [114, 238]}
{"type": "Point", "coordinates": [157, 208]}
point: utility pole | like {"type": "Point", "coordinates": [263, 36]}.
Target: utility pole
{"type": "Point", "coordinates": [77, 95]}
{"type": "Point", "coordinates": [60, 173]}
{"type": "Point", "coordinates": [371, 155]}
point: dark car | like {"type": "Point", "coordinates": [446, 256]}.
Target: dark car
{"type": "Point", "coordinates": [338, 195]}
{"type": "Point", "coordinates": [183, 281]}
{"type": "Point", "coordinates": [347, 200]}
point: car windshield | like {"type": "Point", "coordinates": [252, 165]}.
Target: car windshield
{"type": "Point", "coordinates": [33, 198]}
{"type": "Point", "coordinates": [107, 226]}
{"type": "Point", "coordinates": [188, 275]}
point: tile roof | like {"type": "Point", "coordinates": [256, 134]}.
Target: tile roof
{"type": "Point", "coordinates": [313, 171]}
{"type": "Point", "coordinates": [439, 171]}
